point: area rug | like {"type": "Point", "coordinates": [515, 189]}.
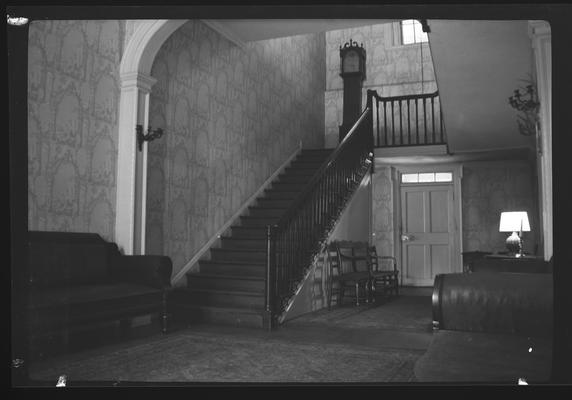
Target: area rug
{"type": "Point", "coordinates": [203, 357]}
{"type": "Point", "coordinates": [476, 357]}
{"type": "Point", "coordinates": [402, 313]}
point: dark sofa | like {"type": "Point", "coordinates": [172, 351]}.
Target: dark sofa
{"type": "Point", "coordinates": [491, 327]}
{"type": "Point", "coordinates": [78, 279]}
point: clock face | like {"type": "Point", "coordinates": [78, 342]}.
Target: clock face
{"type": "Point", "coordinates": [351, 62]}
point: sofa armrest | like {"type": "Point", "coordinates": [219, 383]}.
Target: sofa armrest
{"type": "Point", "coordinates": [503, 302]}
{"type": "Point", "coordinates": [150, 270]}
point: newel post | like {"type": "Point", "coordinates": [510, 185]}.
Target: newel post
{"type": "Point", "coordinates": [369, 105]}
{"type": "Point", "coordinates": [369, 126]}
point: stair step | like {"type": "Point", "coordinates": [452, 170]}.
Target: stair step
{"type": "Point", "coordinates": [251, 232]}
{"type": "Point", "coordinates": [306, 164]}
{"type": "Point", "coordinates": [242, 243]}
{"type": "Point", "coordinates": [316, 150]}
{"type": "Point", "coordinates": [266, 212]}
{"type": "Point", "coordinates": [288, 187]}
{"type": "Point", "coordinates": [239, 317]}
{"type": "Point", "coordinates": [313, 159]}
{"type": "Point", "coordinates": [235, 268]}
{"type": "Point", "coordinates": [258, 221]}
{"type": "Point", "coordinates": [280, 194]}
{"type": "Point", "coordinates": [250, 255]}
{"type": "Point", "coordinates": [326, 152]}
{"type": "Point", "coordinates": [264, 202]}
{"type": "Point", "coordinates": [301, 170]}
{"type": "Point", "coordinates": [253, 284]}
{"type": "Point", "coordinates": [304, 179]}
{"type": "Point", "coordinates": [221, 298]}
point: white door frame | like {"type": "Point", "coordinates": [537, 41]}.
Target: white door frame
{"type": "Point", "coordinates": [457, 170]}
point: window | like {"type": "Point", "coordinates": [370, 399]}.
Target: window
{"type": "Point", "coordinates": [412, 32]}
{"type": "Point", "coordinates": [427, 177]}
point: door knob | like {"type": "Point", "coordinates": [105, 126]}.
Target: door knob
{"type": "Point", "coordinates": [405, 238]}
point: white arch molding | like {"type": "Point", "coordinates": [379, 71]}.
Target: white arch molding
{"type": "Point", "coordinates": [540, 34]}
{"type": "Point", "coordinates": [136, 83]}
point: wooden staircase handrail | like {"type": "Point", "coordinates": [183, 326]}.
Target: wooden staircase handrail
{"type": "Point", "coordinates": [320, 172]}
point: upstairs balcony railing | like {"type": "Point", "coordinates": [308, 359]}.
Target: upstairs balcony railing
{"type": "Point", "coordinates": [408, 120]}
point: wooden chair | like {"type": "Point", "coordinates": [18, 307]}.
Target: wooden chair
{"type": "Point", "coordinates": [384, 274]}
{"type": "Point", "coordinates": [349, 268]}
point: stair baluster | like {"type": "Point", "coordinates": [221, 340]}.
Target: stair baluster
{"type": "Point", "coordinates": [298, 236]}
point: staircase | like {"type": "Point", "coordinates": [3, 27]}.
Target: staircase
{"type": "Point", "coordinates": [230, 287]}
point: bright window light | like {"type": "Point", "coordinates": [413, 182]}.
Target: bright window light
{"type": "Point", "coordinates": [427, 177]}
{"type": "Point", "coordinates": [410, 178]}
{"type": "Point", "coordinates": [424, 178]}
{"type": "Point", "coordinates": [443, 176]}
{"type": "Point", "coordinates": [412, 32]}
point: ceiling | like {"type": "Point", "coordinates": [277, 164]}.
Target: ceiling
{"type": "Point", "coordinates": [249, 30]}
{"type": "Point", "coordinates": [478, 65]}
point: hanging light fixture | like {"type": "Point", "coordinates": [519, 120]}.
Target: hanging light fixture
{"type": "Point", "coordinates": [527, 104]}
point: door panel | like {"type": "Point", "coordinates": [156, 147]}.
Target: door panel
{"type": "Point", "coordinates": [414, 220]}
{"type": "Point", "coordinates": [439, 215]}
{"type": "Point", "coordinates": [416, 256]}
{"type": "Point", "coordinates": [427, 232]}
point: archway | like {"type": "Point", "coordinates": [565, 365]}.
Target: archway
{"type": "Point", "coordinates": [136, 83]}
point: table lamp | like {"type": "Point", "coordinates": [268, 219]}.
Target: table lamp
{"type": "Point", "coordinates": [514, 221]}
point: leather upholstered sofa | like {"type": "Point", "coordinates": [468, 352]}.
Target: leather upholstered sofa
{"type": "Point", "coordinates": [78, 279]}
{"type": "Point", "coordinates": [491, 327]}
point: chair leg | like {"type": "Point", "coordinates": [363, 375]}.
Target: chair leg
{"type": "Point", "coordinates": [372, 290]}
{"type": "Point", "coordinates": [165, 314]}
{"type": "Point", "coordinates": [357, 294]}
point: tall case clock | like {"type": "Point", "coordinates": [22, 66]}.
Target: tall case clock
{"type": "Point", "coordinates": [352, 66]}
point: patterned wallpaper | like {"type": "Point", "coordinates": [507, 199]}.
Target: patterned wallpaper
{"type": "Point", "coordinates": [392, 69]}
{"type": "Point", "coordinates": [73, 98]}
{"type": "Point", "coordinates": [488, 188]}
{"type": "Point", "coordinates": [231, 116]}
{"type": "Point", "coordinates": [382, 203]}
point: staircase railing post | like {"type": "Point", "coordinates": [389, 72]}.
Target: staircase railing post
{"type": "Point", "coordinates": [369, 104]}
{"type": "Point", "coordinates": [270, 256]}
{"type": "Point", "coordinates": [369, 126]}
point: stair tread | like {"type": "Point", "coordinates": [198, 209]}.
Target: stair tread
{"type": "Point", "coordinates": [226, 276]}
{"type": "Point", "coordinates": [242, 239]}
{"type": "Point", "coordinates": [243, 310]}
{"type": "Point", "coordinates": [226, 291]}
{"type": "Point", "coordinates": [267, 208]}
{"type": "Point", "coordinates": [238, 262]}
{"type": "Point", "coordinates": [258, 217]}
{"type": "Point", "coordinates": [260, 228]}
{"type": "Point", "coordinates": [239, 250]}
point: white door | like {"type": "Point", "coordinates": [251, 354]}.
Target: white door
{"type": "Point", "coordinates": [427, 232]}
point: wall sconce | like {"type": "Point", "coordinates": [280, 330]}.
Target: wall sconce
{"type": "Point", "coordinates": [514, 221]}
{"type": "Point", "coordinates": [150, 136]}
{"type": "Point", "coordinates": [527, 104]}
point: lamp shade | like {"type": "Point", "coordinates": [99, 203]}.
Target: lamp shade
{"type": "Point", "coordinates": [514, 221]}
